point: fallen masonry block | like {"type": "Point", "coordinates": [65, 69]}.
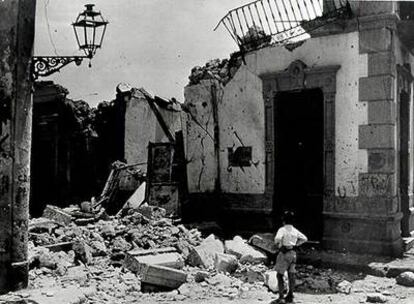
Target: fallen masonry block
{"type": "Point", "coordinates": [244, 252]}
{"type": "Point", "coordinates": [204, 254]}
{"type": "Point", "coordinates": [40, 225]}
{"type": "Point", "coordinates": [63, 246]}
{"type": "Point", "coordinates": [266, 244]}
{"type": "Point", "coordinates": [406, 279]}
{"type": "Point", "coordinates": [170, 259]}
{"type": "Point", "coordinates": [162, 277]}
{"type": "Point", "coordinates": [376, 298]}
{"type": "Point", "coordinates": [141, 252]}
{"type": "Point", "coordinates": [225, 263]}
{"type": "Point", "coordinates": [152, 211]}
{"type": "Point", "coordinates": [56, 214]}
{"type": "Point", "coordinates": [83, 252]}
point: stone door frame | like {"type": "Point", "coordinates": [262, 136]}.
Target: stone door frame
{"type": "Point", "coordinates": [297, 77]}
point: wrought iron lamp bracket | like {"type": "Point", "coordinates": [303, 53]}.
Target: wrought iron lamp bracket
{"type": "Point", "coordinates": [46, 65]}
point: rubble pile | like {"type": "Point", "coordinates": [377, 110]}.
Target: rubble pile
{"type": "Point", "coordinates": [215, 69]}
{"type": "Point", "coordinates": [143, 251]}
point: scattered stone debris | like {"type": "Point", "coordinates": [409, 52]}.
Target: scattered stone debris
{"type": "Point", "coordinates": [142, 254]}
{"type": "Point", "coordinates": [406, 279]}
{"type": "Point", "coordinates": [216, 69]}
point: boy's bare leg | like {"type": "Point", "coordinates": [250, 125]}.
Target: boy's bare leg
{"type": "Point", "coordinates": [291, 276]}
{"type": "Point", "coordinates": [281, 285]}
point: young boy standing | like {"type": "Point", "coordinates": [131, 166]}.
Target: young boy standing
{"type": "Point", "coordinates": [287, 238]}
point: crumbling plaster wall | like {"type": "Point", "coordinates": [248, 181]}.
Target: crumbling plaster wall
{"type": "Point", "coordinates": [200, 151]}
{"type": "Point", "coordinates": [241, 116]}
{"type": "Point", "coordinates": [241, 123]}
{"type": "Point", "coordinates": [142, 127]}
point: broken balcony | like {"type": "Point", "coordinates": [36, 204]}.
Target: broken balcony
{"type": "Point", "coordinates": [280, 22]}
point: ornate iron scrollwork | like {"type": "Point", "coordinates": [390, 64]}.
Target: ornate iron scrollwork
{"type": "Point", "coordinates": [46, 65]}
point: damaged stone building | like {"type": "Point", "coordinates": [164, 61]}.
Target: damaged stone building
{"type": "Point", "coordinates": [75, 145]}
{"type": "Point", "coordinates": [321, 126]}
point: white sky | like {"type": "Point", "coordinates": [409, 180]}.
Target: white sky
{"type": "Point", "coordinates": [148, 43]}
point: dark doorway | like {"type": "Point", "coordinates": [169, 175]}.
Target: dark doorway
{"type": "Point", "coordinates": [299, 144]}
{"type": "Point", "coordinates": [404, 161]}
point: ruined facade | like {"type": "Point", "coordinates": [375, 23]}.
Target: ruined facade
{"type": "Point", "coordinates": [142, 126]}
{"type": "Point", "coordinates": [63, 169]}
{"type": "Point", "coordinates": [325, 129]}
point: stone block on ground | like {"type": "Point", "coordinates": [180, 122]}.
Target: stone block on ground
{"type": "Point", "coordinates": [344, 287]}
{"type": "Point", "coordinates": [226, 263]}
{"type": "Point", "coordinates": [163, 277]}
{"type": "Point", "coordinates": [270, 280]}
{"type": "Point", "coordinates": [244, 252]}
{"type": "Point", "coordinates": [56, 214]}
{"type": "Point", "coordinates": [41, 225]}
{"type": "Point", "coordinates": [200, 276]}
{"type": "Point", "coordinates": [63, 246]}
{"type": "Point", "coordinates": [264, 243]}
{"type": "Point", "coordinates": [152, 212]}
{"type": "Point", "coordinates": [137, 198]}
{"type": "Point", "coordinates": [137, 263]}
{"type": "Point", "coordinates": [204, 254]}
{"type": "Point", "coordinates": [406, 279]}
{"type": "Point", "coordinates": [83, 252]}
{"type": "Point", "coordinates": [98, 248]}
{"type": "Point", "coordinates": [376, 298]}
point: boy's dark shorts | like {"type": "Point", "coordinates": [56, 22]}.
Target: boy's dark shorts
{"type": "Point", "coordinates": [286, 262]}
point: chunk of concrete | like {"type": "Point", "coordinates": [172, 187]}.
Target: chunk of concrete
{"type": "Point", "coordinates": [344, 287]}
{"type": "Point", "coordinates": [376, 298]}
{"type": "Point", "coordinates": [244, 252]}
{"type": "Point", "coordinates": [405, 279]}
{"type": "Point", "coordinates": [163, 277]}
{"type": "Point", "coordinates": [137, 198]}
{"type": "Point", "coordinates": [62, 246]}
{"type": "Point", "coordinates": [83, 252]}
{"type": "Point", "coordinates": [204, 254]}
{"type": "Point", "coordinates": [226, 263]}
{"type": "Point", "coordinates": [56, 214]}
{"type": "Point", "coordinates": [200, 276]}
{"type": "Point", "coordinates": [264, 242]}
{"type": "Point", "coordinates": [137, 263]}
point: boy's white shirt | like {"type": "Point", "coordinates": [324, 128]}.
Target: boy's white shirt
{"type": "Point", "coordinates": [289, 236]}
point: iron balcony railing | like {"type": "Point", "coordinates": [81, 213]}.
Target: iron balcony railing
{"type": "Point", "coordinates": [266, 22]}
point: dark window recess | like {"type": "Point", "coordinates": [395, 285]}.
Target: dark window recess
{"type": "Point", "coordinates": [242, 157]}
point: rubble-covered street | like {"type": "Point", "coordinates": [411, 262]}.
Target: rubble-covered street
{"type": "Point", "coordinates": [104, 260]}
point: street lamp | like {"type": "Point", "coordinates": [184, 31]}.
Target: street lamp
{"type": "Point", "coordinates": [89, 29]}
